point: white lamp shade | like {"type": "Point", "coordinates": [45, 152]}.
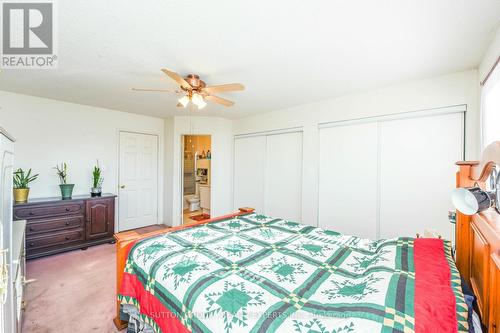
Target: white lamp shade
{"type": "Point", "coordinates": [201, 104]}
{"type": "Point", "coordinates": [464, 201]}
{"type": "Point", "coordinates": [184, 101]}
{"type": "Point", "coordinates": [198, 101]}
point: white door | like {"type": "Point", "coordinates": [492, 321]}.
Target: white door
{"type": "Point", "coordinates": [417, 162]}
{"type": "Point", "coordinates": [138, 180]}
{"type": "Point", "coordinates": [283, 176]}
{"type": "Point", "coordinates": [249, 168]}
{"type": "Point", "coordinates": [348, 179]}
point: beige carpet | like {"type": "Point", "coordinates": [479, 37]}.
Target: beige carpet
{"type": "Point", "coordinates": [74, 292]}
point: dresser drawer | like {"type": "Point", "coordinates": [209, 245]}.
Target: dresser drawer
{"type": "Point", "coordinates": [60, 238]}
{"type": "Point", "coordinates": [33, 212]}
{"type": "Point", "coordinates": [54, 224]}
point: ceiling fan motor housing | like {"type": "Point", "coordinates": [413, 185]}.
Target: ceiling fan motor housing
{"type": "Point", "coordinates": [195, 82]}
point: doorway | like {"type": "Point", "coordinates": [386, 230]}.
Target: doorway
{"type": "Point", "coordinates": [138, 180]}
{"type": "Point", "coordinates": [196, 178]}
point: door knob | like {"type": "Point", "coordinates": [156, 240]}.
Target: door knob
{"type": "Point", "coordinates": [122, 186]}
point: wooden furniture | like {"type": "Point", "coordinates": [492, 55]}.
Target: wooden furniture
{"type": "Point", "coordinates": [124, 240]}
{"type": "Point", "coordinates": [55, 225]}
{"type": "Point", "coordinates": [478, 241]}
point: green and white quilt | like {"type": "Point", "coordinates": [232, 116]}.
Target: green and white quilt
{"type": "Point", "coordinates": [254, 273]}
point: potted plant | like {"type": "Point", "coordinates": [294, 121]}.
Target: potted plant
{"type": "Point", "coordinates": [66, 189]}
{"type": "Point", "coordinates": [97, 181]}
{"type": "Point", "coordinates": [21, 182]}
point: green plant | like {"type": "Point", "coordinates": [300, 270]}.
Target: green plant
{"type": "Point", "coordinates": [22, 178]}
{"type": "Point", "coordinates": [96, 176]}
{"type": "Point", "coordinates": [62, 172]}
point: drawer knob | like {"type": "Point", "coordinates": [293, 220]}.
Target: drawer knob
{"type": "Point", "coordinates": [67, 222]}
{"type": "Point", "coordinates": [32, 229]}
{"type": "Point", "coordinates": [32, 244]}
{"type": "Point", "coordinates": [67, 209]}
{"type": "Point", "coordinates": [67, 237]}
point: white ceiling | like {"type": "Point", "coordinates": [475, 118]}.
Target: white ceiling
{"type": "Point", "coordinates": [285, 52]}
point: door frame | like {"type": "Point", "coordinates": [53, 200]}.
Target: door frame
{"type": "Point", "coordinates": [181, 177]}
{"type": "Point", "coordinates": [159, 158]}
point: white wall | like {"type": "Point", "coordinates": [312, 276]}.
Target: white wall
{"type": "Point", "coordinates": [453, 89]}
{"type": "Point", "coordinates": [221, 164]}
{"type": "Point", "coordinates": [50, 132]}
{"type": "Point", "coordinates": [491, 55]}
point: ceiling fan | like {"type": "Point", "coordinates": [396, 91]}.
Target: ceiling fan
{"type": "Point", "coordinates": [196, 91]}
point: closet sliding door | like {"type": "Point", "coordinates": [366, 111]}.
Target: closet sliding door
{"type": "Point", "coordinates": [283, 185]}
{"type": "Point", "coordinates": [268, 174]}
{"type": "Point", "coordinates": [417, 174]}
{"type": "Point", "coordinates": [348, 179]}
{"type": "Point", "coordinates": [249, 172]}
{"type": "Point", "coordinates": [391, 176]}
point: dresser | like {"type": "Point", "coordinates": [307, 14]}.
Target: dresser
{"type": "Point", "coordinates": [55, 225]}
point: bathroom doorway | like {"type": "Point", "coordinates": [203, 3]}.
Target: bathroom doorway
{"type": "Point", "coordinates": [196, 184]}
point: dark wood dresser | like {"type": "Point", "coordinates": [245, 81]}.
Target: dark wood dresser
{"type": "Point", "coordinates": [55, 225]}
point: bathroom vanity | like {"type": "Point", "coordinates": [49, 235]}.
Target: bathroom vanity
{"type": "Point", "coordinates": [205, 198]}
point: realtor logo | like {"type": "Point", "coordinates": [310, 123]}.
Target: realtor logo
{"type": "Point", "coordinates": [28, 35]}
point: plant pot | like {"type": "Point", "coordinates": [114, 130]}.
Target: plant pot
{"type": "Point", "coordinates": [67, 190]}
{"type": "Point", "coordinates": [96, 192]}
{"type": "Point", "coordinates": [21, 194]}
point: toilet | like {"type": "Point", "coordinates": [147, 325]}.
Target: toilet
{"type": "Point", "coordinates": [194, 203]}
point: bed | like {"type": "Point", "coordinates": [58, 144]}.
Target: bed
{"type": "Point", "coordinates": [248, 272]}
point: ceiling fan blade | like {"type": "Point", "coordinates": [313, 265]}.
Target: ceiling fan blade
{"type": "Point", "coordinates": [219, 100]}
{"type": "Point", "coordinates": [177, 78]}
{"type": "Point", "coordinates": [224, 88]}
{"type": "Point", "coordinates": [179, 105]}
{"type": "Point", "coordinates": [159, 90]}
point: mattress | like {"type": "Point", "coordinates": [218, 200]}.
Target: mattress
{"type": "Point", "coordinates": [255, 273]}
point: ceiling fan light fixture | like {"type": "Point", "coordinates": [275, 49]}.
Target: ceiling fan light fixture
{"type": "Point", "coordinates": [197, 100]}
{"type": "Point", "coordinates": [184, 100]}
{"type": "Point", "coordinates": [196, 91]}
{"type": "Point", "coordinates": [202, 104]}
